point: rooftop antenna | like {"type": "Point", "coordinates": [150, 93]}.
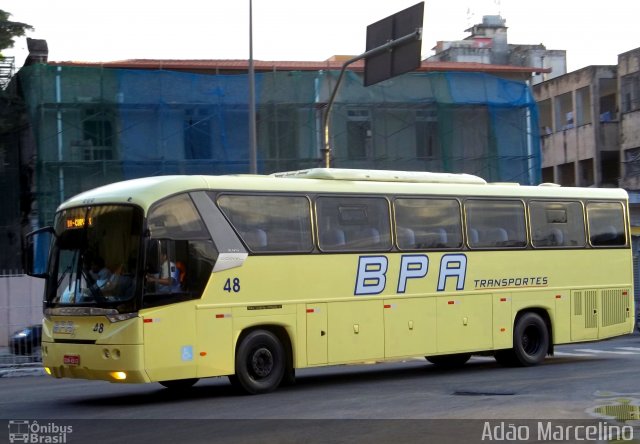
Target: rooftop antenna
{"type": "Point", "coordinates": [469, 18]}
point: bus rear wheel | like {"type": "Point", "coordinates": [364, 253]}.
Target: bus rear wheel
{"type": "Point", "coordinates": [530, 342]}
{"type": "Point", "coordinates": [260, 363]}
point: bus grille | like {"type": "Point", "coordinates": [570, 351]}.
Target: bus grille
{"type": "Point", "coordinates": [615, 307]}
{"type": "Point", "coordinates": [590, 309]}
{"type": "Point", "coordinates": [577, 303]}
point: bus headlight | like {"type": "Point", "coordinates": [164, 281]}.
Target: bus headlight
{"type": "Point", "coordinates": [120, 317]}
{"type": "Point", "coordinates": [120, 376]}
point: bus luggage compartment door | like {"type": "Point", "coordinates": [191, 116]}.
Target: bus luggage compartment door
{"type": "Point", "coordinates": [356, 331]}
{"type": "Point", "coordinates": [465, 323]}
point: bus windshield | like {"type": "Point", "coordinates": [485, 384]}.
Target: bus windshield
{"type": "Point", "coordinates": [95, 257]}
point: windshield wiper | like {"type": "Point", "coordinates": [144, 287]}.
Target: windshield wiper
{"type": "Point", "coordinates": [69, 270]}
{"type": "Point", "coordinates": [64, 273]}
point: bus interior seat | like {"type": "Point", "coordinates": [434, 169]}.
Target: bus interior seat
{"type": "Point", "coordinates": [607, 236]}
{"type": "Point", "coordinates": [496, 236]}
{"type": "Point", "coordinates": [474, 238]}
{"type": "Point", "coordinates": [363, 236]}
{"type": "Point", "coordinates": [556, 237]}
{"type": "Point", "coordinates": [255, 238]}
{"type": "Point", "coordinates": [436, 238]}
{"type": "Point", "coordinates": [333, 237]}
{"type": "Point", "coordinates": [406, 238]}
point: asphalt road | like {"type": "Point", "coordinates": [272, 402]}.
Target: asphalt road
{"type": "Point", "coordinates": [381, 402]}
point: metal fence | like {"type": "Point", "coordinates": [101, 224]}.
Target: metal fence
{"type": "Point", "coordinates": [20, 307]}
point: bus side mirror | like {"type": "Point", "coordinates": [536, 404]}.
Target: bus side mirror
{"type": "Point", "coordinates": [38, 243]}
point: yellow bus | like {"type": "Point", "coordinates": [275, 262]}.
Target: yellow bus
{"type": "Point", "coordinates": [174, 278]}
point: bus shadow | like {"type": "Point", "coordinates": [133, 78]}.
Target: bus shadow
{"type": "Point", "coordinates": [320, 378]}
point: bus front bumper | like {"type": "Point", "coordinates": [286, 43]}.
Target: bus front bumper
{"type": "Point", "coordinates": [113, 363]}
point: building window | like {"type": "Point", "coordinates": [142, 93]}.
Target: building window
{"type": "Point", "coordinates": [632, 161]}
{"type": "Point", "coordinates": [608, 100]}
{"type": "Point", "coordinates": [197, 134]}
{"type": "Point", "coordinates": [583, 106]}
{"type": "Point", "coordinates": [630, 91]}
{"type": "Point", "coordinates": [566, 175]}
{"type": "Point", "coordinates": [359, 135]}
{"type": "Point", "coordinates": [427, 142]}
{"type": "Point", "coordinates": [564, 111]}
{"type": "Point", "coordinates": [279, 133]}
{"type": "Point", "coordinates": [544, 113]}
{"type": "Point", "coordinates": [97, 137]}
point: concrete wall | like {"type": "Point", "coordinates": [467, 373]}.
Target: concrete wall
{"type": "Point", "coordinates": [20, 304]}
{"type": "Point", "coordinates": [630, 139]}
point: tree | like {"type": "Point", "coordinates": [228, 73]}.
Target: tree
{"type": "Point", "coordinates": [9, 30]}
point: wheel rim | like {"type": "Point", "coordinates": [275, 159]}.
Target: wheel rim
{"type": "Point", "coordinates": [531, 340]}
{"type": "Point", "coordinates": [261, 363]}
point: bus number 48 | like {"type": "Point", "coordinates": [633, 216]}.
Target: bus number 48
{"type": "Point", "coordinates": [232, 285]}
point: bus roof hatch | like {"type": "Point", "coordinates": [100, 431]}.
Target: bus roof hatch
{"type": "Point", "coordinates": [382, 176]}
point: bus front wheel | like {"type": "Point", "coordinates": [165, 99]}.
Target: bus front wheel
{"type": "Point", "coordinates": [530, 342]}
{"type": "Point", "coordinates": [260, 363]}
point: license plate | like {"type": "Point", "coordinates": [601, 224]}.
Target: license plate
{"type": "Point", "coordinates": [71, 360]}
{"type": "Point", "coordinates": [64, 327]}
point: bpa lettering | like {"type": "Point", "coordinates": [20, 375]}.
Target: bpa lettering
{"type": "Point", "coordinates": [372, 272]}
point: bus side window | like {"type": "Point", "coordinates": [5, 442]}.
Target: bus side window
{"type": "Point", "coordinates": [180, 253]}
{"type": "Point", "coordinates": [606, 224]}
{"type": "Point", "coordinates": [270, 223]}
{"type": "Point", "coordinates": [348, 223]}
{"type": "Point", "coordinates": [427, 223]}
{"type": "Point", "coordinates": [556, 224]}
{"type": "Point", "coordinates": [499, 223]}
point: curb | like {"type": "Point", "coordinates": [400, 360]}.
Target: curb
{"type": "Point", "coordinates": [18, 370]}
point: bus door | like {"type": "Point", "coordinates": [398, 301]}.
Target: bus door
{"type": "Point", "coordinates": [169, 317]}
{"type": "Point", "coordinates": [317, 344]}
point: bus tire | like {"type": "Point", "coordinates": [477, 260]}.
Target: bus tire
{"type": "Point", "coordinates": [449, 361]}
{"type": "Point", "coordinates": [260, 363]}
{"type": "Point", "coordinates": [179, 384]}
{"type": "Point", "coordinates": [530, 342]}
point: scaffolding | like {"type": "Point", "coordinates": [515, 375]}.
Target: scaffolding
{"type": "Point", "coordinates": [7, 70]}
{"type": "Point", "coordinates": [99, 125]}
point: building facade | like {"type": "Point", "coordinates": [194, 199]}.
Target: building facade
{"type": "Point", "coordinates": [101, 123]}
{"type": "Point", "coordinates": [488, 44]}
{"type": "Point", "coordinates": [590, 132]}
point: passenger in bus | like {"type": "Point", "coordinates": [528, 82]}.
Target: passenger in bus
{"type": "Point", "coordinates": [168, 280]}
{"type": "Point", "coordinates": [98, 272]}
{"type": "Point", "coordinates": [119, 283]}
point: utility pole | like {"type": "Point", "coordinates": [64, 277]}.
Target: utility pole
{"type": "Point", "coordinates": [253, 141]}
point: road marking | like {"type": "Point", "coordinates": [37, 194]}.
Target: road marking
{"type": "Point", "coordinates": [593, 350]}
{"type": "Point", "coordinates": [637, 349]}
{"type": "Point", "coordinates": [558, 353]}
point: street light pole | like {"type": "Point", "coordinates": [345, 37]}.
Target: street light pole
{"type": "Point", "coordinates": [253, 143]}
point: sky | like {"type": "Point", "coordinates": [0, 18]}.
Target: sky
{"type": "Point", "coordinates": [592, 33]}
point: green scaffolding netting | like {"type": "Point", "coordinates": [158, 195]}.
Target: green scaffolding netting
{"type": "Point", "coordinates": [99, 125]}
